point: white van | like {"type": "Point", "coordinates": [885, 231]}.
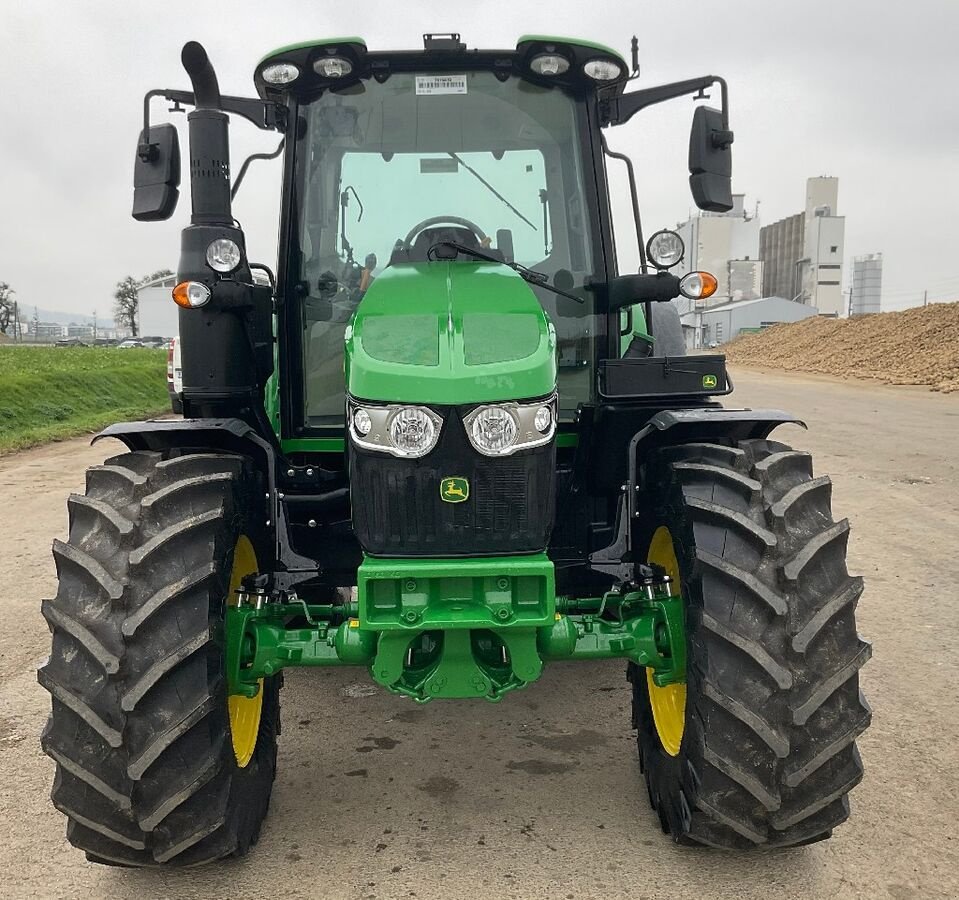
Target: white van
{"type": "Point", "coordinates": [174, 376]}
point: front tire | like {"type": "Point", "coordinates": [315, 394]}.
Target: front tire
{"type": "Point", "coordinates": [772, 706]}
{"type": "Point", "coordinates": [147, 771]}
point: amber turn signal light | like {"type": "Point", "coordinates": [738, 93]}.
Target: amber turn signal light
{"type": "Point", "coordinates": [191, 294]}
{"type": "Point", "coordinates": [698, 285]}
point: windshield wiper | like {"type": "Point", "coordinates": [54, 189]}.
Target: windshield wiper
{"type": "Point", "coordinates": [490, 188]}
{"type": "Point", "coordinates": [538, 278]}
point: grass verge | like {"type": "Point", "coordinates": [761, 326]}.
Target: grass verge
{"type": "Point", "coordinates": [52, 393]}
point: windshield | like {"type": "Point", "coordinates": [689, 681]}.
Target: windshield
{"type": "Point", "coordinates": [387, 170]}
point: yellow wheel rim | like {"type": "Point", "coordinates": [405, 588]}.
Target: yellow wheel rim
{"type": "Point", "coordinates": [244, 711]}
{"type": "Point", "coordinates": [669, 702]}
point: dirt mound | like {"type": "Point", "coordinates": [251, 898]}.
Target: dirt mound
{"type": "Point", "coordinates": [915, 346]}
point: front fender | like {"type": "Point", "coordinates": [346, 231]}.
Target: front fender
{"type": "Point", "coordinates": [676, 426]}
{"type": "Point", "coordinates": [230, 435]}
{"type": "Point", "coordinates": [620, 435]}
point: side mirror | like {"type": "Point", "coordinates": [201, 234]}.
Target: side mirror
{"type": "Point", "coordinates": [710, 161]}
{"type": "Point", "coordinates": [156, 174]}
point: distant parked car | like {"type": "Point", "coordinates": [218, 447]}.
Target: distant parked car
{"type": "Point", "coordinates": [129, 345]}
{"type": "Point", "coordinates": [174, 376]}
{"type": "Point", "coordinates": [70, 342]}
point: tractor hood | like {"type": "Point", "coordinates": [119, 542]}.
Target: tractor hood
{"type": "Point", "coordinates": [450, 333]}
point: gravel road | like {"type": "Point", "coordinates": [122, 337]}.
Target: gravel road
{"type": "Point", "coordinates": [540, 796]}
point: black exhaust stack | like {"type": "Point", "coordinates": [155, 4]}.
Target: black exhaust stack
{"type": "Point", "coordinates": [220, 375]}
{"type": "Point", "coordinates": [209, 142]}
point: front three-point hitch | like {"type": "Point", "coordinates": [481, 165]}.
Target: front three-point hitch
{"type": "Point", "coordinates": [430, 631]}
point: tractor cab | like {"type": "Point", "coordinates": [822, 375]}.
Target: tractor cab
{"type": "Point", "coordinates": [389, 170]}
{"type": "Point", "coordinates": [500, 152]}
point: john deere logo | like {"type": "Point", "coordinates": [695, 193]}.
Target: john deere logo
{"type": "Point", "coordinates": [454, 489]}
{"type": "Point", "coordinates": [709, 381]}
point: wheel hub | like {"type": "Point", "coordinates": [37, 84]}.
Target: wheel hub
{"type": "Point", "coordinates": [244, 712]}
{"type": "Point", "coordinates": [669, 701]}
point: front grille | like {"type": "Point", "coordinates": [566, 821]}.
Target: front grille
{"type": "Point", "coordinates": [397, 510]}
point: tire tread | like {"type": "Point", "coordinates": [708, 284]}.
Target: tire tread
{"type": "Point", "coordinates": [146, 773]}
{"type": "Point", "coordinates": [773, 704]}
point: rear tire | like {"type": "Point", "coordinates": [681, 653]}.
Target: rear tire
{"type": "Point", "coordinates": [146, 769]}
{"type": "Point", "coordinates": [773, 705]}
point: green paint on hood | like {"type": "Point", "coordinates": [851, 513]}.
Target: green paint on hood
{"type": "Point", "coordinates": [449, 333]}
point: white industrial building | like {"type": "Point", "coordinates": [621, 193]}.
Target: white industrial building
{"type": "Point", "coordinates": [705, 326]}
{"type": "Point", "coordinates": [726, 245]}
{"type": "Point", "coordinates": [46, 330]}
{"type": "Point", "coordinates": [866, 294]}
{"type": "Point", "coordinates": [802, 254]}
{"type": "Point", "coordinates": [158, 314]}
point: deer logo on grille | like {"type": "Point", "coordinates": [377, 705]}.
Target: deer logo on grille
{"type": "Point", "coordinates": [454, 489]}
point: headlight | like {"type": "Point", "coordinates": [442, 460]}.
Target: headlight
{"type": "Point", "coordinates": [543, 420]}
{"type": "Point", "coordinates": [412, 431]}
{"type": "Point", "coordinates": [493, 430]}
{"type": "Point", "coordinates": [665, 249]}
{"type": "Point", "coordinates": [362, 422]}
{"type": "Point", "coordinates": [332, 66]}
{"type": "Point", "coordinates": [280, 73]}
{"type": "Point", "coordinates": [405, 431]}
{"type": "Point", "coordinates": [223, 255]}
{"type": "Point", "coordinates": [504, 428]}
{"type": "Point", "coordinates": [603, 69]}
{"type": "Point", "coordinates": [549, 64]}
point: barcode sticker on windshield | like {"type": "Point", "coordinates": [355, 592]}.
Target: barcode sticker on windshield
{"type": "Point", "coordinates": [440, 84]}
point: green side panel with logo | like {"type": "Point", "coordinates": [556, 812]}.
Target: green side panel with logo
{"type": "Point", "coordinates": [450, 333]}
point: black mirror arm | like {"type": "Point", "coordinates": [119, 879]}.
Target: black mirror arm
{"type": "Point", "coordinates": [634, 197]}
{"type": "Point", "coordinates": [627, 290]}
{"type": "Point", "coordinates": [265, 115]}
{"type": "Point", "coordinates": [619, 110]}
{"type": "Point", "coordinates": [250, 159]}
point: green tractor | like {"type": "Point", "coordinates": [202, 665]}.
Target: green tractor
{"type": "Point", "coordinates": [448, 442]}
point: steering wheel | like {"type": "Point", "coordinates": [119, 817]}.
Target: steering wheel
{"type": "Point", "coordinates": [444, 220]}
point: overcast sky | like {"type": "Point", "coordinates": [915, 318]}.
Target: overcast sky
{"type": "Point", "coordinates": [859, 89]}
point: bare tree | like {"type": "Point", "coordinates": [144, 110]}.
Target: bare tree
{"type": "Point", "coordinates": [126, 306]}
{"type": "Point", "coordinates": [6, 308]}
{"type": "Point", "coordinates": [126, 303]}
